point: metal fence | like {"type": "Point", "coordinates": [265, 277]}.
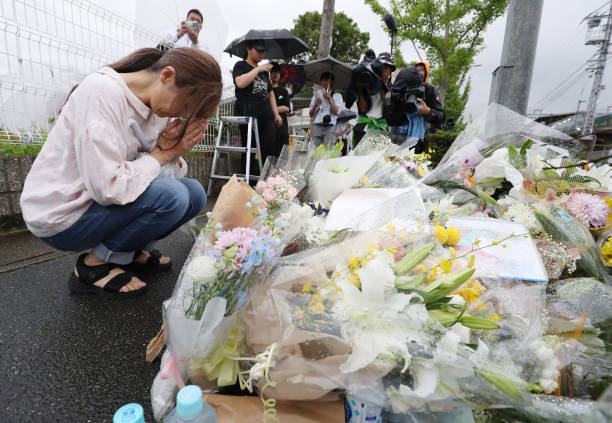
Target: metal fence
{"type": "Point", "coordinates": [47, 46]}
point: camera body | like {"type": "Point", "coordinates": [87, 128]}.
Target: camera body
{"type": "Point", "coordinates": [402, 99]}
{"type": "Point", "coordinates": [193, 25]}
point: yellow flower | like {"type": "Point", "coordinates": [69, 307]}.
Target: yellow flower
{"type": "Point", "coordinates": [364, 180]}
{"type": "Point", "coordinates": [452, 250]}
{"type": "Point", "coordinates": [495, 317]}
{"type": "Point", "coordinates": [446, 265]}
{"type": "Point", "coordinates": [495, 242]}
{"type": "Point", "coordinates": [422, 268]}
{"type": "Point", "coordinates": [476, 242]}
{"type": "Point", "coordinates": [306, 287]}
{"type": "Point", "coordinates": [608, 201]}
{"type": "Point", "coordinates": [420, 171]}
{"type": "Point", "coordinates": [471, 261]}
{"type": "Point", "coordinates": [453, 236]}
{"type": "Point", "coordinates": [432, 274]}
{"type": "Point", "coordinates": [354, 264]}
{"type": "Point", "coordinates": [354, 279]}
{"type": "Point", "coordinates": [606, 251]}
{"type": "Point", "coordinates": [372, 247]}
{"type": "Point", "coordinates": [403, 234]}
{"type": "Point", "coordinates": [441, 234]}
{"type": "Point", "coordinates": [390, 227]}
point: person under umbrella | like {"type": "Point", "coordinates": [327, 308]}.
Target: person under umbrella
{"type": "Point", "coordinates": [325, 106]}
{"type": "Point", "coordinates": [283, 105]}
{"type": "Point", "coordinates": [255, 98]}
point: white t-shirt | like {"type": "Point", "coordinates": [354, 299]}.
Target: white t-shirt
{"type": "Point", "coordinates": [325, 107]}
{"type": "Point", "coordinates": [376, 111]}
{"type": "Point", "coordinates": [184, 41]}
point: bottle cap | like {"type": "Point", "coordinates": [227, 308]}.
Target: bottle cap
{"type": "Point", "coordinates": [189, 402]}
{"type": "Point", "coordinates": [129, 413]}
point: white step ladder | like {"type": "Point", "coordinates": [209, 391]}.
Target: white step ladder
{"type": "Point", "coordinates": [251, 122]}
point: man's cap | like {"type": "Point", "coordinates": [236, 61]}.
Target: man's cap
{"type": "Point", "coordinates": [386, 59]}
{"type": "Point", "coordinates": [275, 67]}
{"type": "Point", "coordinates": [257, 45]}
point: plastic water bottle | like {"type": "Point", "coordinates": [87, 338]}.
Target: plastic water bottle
{"type": "Point", "coordinates": [359, 411]}
{"type": "Point", "coordinates": [191, 408]}
{"type": "Point", "coordinates": [129, 413]}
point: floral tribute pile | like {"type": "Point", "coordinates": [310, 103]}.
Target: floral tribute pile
{"type": "Point", "coordinates": [408, 314]}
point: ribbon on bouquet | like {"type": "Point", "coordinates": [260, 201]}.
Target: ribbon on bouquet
{"type": "Point", "coordinates": [379, 124]}
{"type": "Point", "coordinates": [170, 368]}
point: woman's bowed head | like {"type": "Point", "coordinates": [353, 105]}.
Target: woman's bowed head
{"type": "Point", "coordinates": [181, 83]}
{"type": "Point", "coordinates": [91, 187]}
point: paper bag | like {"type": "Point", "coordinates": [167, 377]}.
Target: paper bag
{"type": "Point", "coordinates": [230, 208]}
{"type": "Point", "coordinates": [250, 410]}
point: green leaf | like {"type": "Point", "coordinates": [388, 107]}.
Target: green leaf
{"type": "Point", "coordinates": [550, 173]}
{"type": "Point", "coordinates": [197, 229]}
{"type": "Point", "coordinates": [516, 159]}
{"type": "Point", "coordinates": [526, 146]}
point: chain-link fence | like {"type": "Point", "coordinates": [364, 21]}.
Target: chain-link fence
{"type": "Point", "coordinates": [47, 46]}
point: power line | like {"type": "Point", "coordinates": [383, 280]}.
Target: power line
{"type": "Point", "coordinates": [572, 78]}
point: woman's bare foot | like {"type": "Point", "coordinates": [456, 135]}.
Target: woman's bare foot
{"type": "Point", "coordinates": [133, 285]}
{"type": "Point", "coordinates": [144, 256]}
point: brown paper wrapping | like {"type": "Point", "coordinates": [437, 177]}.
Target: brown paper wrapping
{"type": "Point", "coordinates": [230, 208]}
{"type": "Point", "coordinates": [238, 409]}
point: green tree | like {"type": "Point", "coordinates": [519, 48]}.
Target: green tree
{"type": "Point", "coordinates": [348, 43]}
{"type": "Point", "coordinates": [450, 33]}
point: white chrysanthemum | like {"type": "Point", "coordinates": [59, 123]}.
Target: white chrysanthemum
{"type": "Point", "coordinates": [203, 269]}
{"type": "Point", "coordinates": [522, 213]}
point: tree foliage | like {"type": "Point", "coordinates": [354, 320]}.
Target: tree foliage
{"type": "Point", "coordinates": [348, 43]}
{"type": "Point", "coordinates": [450, 33]}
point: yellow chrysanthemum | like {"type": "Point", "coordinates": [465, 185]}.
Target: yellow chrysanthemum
{"type": "Point", "coordinates": [606, 252]}
{"type": "Point", "coordinates": [441, 233]}
{"type": "Point", "coordinates": [453, 236]}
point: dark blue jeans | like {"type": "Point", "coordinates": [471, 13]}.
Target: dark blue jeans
{"type": "Point", "coordinates": [115, 232]}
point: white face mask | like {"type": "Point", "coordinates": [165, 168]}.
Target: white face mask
{"type": "Point", "coordinates": [289, 90]}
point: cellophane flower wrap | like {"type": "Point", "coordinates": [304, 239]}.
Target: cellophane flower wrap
{"type": "Point", "coordinates": [395, 304]}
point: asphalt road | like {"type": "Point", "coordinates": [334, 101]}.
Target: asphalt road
{"type": "Point", "coordinates": [71, 358]}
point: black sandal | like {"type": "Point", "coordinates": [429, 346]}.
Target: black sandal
{"type": "Point", "coordinates": [152, 265]}
{"type": "Point", "coordinates": [84, 283]}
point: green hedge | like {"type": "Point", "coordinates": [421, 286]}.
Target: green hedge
{"type": "Point", "coordinates": [20, 149]}
{"type": "Point", "coordinates": [438, 143]}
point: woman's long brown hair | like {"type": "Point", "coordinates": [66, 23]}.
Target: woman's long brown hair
{"type": "Point", "coordinates": [197, 73]}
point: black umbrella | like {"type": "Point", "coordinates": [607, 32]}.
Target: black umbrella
{"type": "Point", "coordinates": [341, 71]}
{"type": "Point", "coordinates": [279, 43]}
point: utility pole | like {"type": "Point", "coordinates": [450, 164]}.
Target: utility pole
{"type": "Point", "coordinates": [596, 36]}
{"type": "Point", "coordinates": [512, 79]}
{"type": "Point", "coordinates": [327, 24]}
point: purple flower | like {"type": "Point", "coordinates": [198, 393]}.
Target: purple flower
{"type": "Point", "coordinates": [588, 209]}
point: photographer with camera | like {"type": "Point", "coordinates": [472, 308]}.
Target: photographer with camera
{"type": "Point", "coordinates": [410, 105]}
{"type": "Point", "coordinates": [325, 106]}
{"type": "Point", "coordinates": [433, 124]}
{"type": "Point", "coordinates": [369, 84]}
{"type": "Point", "coordinates": [187, 33]}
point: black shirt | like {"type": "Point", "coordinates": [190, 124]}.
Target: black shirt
{"type": "Point", "coordinates": [282, 99]}
{"type": "Point", "coordinates": [253, 99]}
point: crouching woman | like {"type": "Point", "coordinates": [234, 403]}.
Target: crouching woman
{"type": "Point", "coordinates": [91, 186]}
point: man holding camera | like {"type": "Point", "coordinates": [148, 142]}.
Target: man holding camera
{"type": "Point", "coordinates": [325, 106]}
{"type": "Point", "coordinates": [187, 34]}
{"type": "Point", "coordinates": [413, 104]}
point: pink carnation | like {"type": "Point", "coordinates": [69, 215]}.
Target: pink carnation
{"type": "Point", "coordinates": [268, 195]}
{"type": "Point", "coordinates": [291, 192]}
{"type": "Point", "coordinates": [261, 185]}
{"type": "Point", "coordinates": [588, 209]}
